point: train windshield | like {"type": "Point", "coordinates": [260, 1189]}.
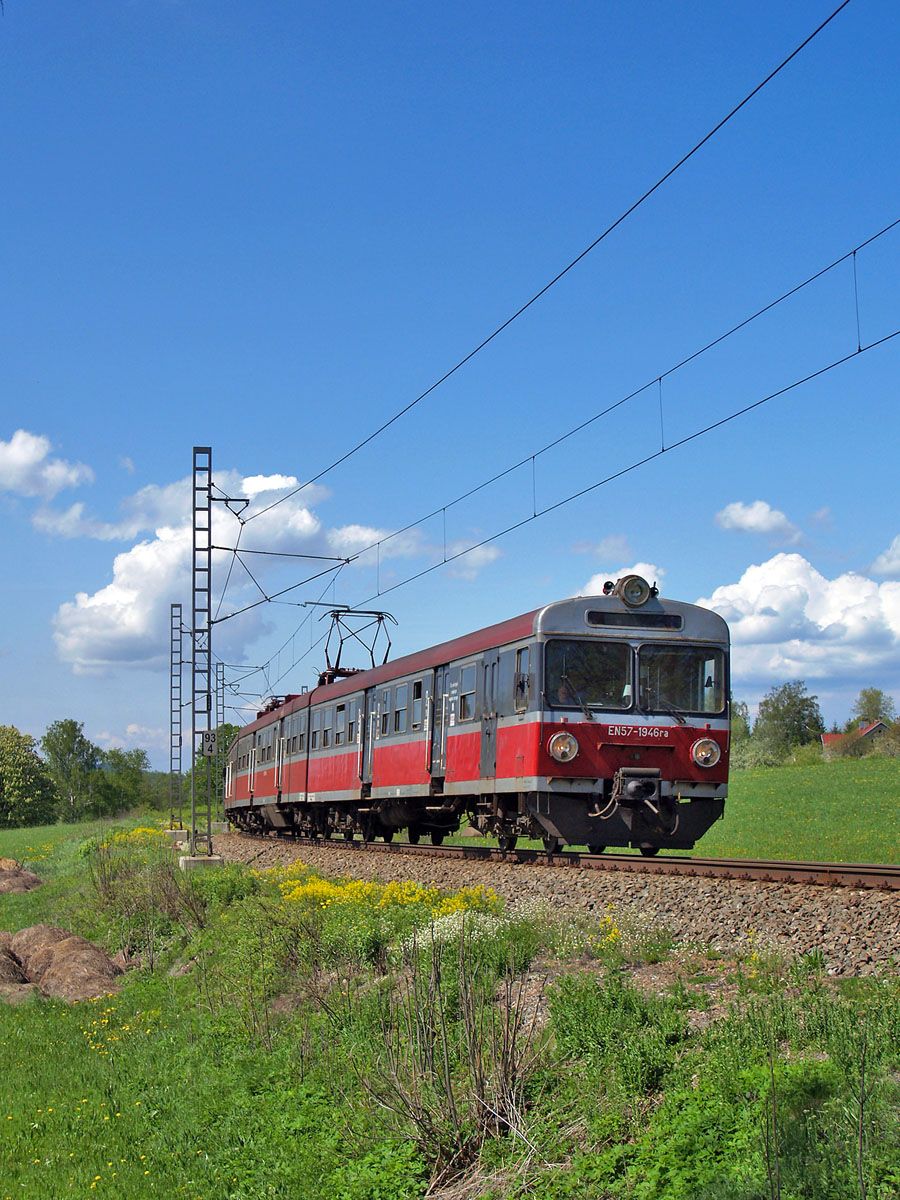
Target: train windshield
{"type": "Point", "coordinates": [688, 679]}
{"type": "Point", "coordinates": [582, 674]}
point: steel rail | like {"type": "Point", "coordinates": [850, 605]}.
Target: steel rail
{"type": "Point", "coordinates": [854, 875]}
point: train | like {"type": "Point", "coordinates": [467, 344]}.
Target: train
{"type": "Point", "coordinates": [597, 721]}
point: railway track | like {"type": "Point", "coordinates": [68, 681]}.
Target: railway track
{"type": "Point", "coordinates": [853, 875]}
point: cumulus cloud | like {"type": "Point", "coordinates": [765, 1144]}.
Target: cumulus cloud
{"type": "Point", "coordinates": [27, 468]}
{"type": "Point", "coordinates": [888, 562]}
{"type": "Point", "coordinates": [471, 562]}
{"type": "Point", "coordinates": [788, 620]}
{"type": "Point", "coordinates": [143, 737]}
{"type": "Point", "coordinates": [759, 517]}
{"type": "Point", "coordinates": [649, 571]}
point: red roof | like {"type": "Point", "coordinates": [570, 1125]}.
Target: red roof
{"type": "Point", "coordinates": [833, 739]}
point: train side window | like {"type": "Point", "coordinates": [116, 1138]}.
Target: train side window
{"type": "Point", "coordinates": [301, 736]}
{"type": "Point", "coordinates": [314, 731]}
{"type": "Point", "coordinates": [327, 718]}
{"type": "Point", "coordinates": [523, 679]}
{"type": "Point", "coordinates": [340, 724]}
{"type": "Point", "coordinates": [401, 699]}
{"type": "Point", "coordinates": [351, 724]}
{"type": "Point", "coordinates": [417, 705]}
{"type": "Point", "coordinates": [385, 712]}
{"type": "Point", "coordinates": [467, 693]}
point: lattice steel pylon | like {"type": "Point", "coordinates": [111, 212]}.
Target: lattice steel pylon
{"type": "Point", "coordinates": [201, 651]}
{"type": "Point", "coordinates": [175, 668]}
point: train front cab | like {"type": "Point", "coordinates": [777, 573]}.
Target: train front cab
{"type": "Point", "coordinates": [625, 737]}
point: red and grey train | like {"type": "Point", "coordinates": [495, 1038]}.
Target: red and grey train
{"type": "Point", "coordinates": [597, 721]}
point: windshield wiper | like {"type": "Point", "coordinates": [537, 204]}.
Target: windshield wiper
{"type": "Point", "coordinates": [670, 709]}
{"type": "Point", "coordinates": [575, 692]}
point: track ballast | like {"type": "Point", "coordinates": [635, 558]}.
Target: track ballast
{"type": "Point", "coordinates": [852, 875]}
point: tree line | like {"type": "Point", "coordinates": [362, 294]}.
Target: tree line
{"type": "Point", "coordinates": [789, 725]}
{"type": "Point", "coordinates": [65, 777]}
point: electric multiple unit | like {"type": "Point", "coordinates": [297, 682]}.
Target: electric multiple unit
{"type": "Point", "coordinates": [597, 721]}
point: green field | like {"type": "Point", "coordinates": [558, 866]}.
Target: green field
{"type": "Point", "coordinates": [842, 811]}
{"type": "Point", "coordinates": [288, 1036]}
{"type": "Point", "coordinates": [847, 810]}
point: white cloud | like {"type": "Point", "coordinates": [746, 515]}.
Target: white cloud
{"type": "Point", "coordinates": [26, 468]}
{"type": "Point", "coordinates": [759, 517]}
{"type": "Point", "coordinates": [143, 737]}
{"type": "Point", "coordinates": [470, 562]}
{"type": "Point", "coordinates": [888, 562]}
{"type": "Point", "coordinates": [649, 571]}
{"type": "Point", "coordinates": [788, 620]}
{"type": "Point", "coordinates": [255, 485]}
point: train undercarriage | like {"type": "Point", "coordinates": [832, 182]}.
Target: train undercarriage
{"type": "Point", "coordinates": [643, 819]}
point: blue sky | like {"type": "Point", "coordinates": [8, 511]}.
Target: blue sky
{"type": "Point", "coordinates": [267, 227]}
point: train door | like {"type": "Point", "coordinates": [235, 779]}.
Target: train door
{"type": "Point", "coordinates": [356, 730]}
{"type": "Point", "coordinates": [280, 744]}
{"type": "Point", "coordinates": [490, 683]}
{"type": "Point", "coordinates": [368, 716]}
{"type": "Point", "coordinates": [251, 780]}
{"type": "Point", "coordinates": [440, 700]}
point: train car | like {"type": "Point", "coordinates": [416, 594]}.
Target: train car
{"type": "Point", "coordinates": [596, 721]}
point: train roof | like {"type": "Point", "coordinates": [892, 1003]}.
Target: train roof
{"type": "Point", "coordinates": [567, 617]}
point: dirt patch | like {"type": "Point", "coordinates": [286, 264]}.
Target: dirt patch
{"type": "Point", "coordinates": [62, 965]}
{"type": "Point", "coordinates": [10, 970]}
{"type": "Point", "coordinates": [14, 878]}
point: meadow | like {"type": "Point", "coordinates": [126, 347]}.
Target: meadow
{"type": "Point", "coordinates": [292, 1036]}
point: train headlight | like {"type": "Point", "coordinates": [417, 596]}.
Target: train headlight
{"type": "Point", "coordinates": [705, 752]}
{"type": "Point", "coordinates": [634, 590]}
{"type": "Point", "coordinates": [563, 747]}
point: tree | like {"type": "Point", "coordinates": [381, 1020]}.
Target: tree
{"type": "Point", "coordinates": [740, 720]}
{"type": "Point", "coordinates": [72, 761]}
{"type": "Point", "coordinates": [119, 783]}
{"type": "Point", "coordinates": [27, 795]}
{"type": "Point", "coordinates": [788, 716]}
{"type": "Point", "coordinates": [872, 704]}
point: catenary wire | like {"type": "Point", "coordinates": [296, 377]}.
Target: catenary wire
{"type": "Point", "coordinates": [560, 274]}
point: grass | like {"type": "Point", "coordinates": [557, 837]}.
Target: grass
{"type": "Point", "coordinates": [839, 811]}
{"type": "Point", "coordinates": [366, 1041]}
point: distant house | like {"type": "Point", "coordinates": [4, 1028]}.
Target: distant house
{"type": "Point", "coordinates": [833, 741]}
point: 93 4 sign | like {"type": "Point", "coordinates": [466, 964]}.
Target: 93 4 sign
{"type": "Point", "coordinates": [208, 741]}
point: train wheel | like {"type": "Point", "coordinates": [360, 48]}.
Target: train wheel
{"type": "Point", "coordinates": [507, 842]}
{"type": "Point", "coordinates": [437, 838]}
{"type": "Point", "coordinates": [413, 834]}
{"type": "Point", "coordinates": [595, 849]}
{"type": "Point", "coordinates": [348, 835]}
{"type": "Point", "coordinates": [552, 844]}
{"type": "Point", "coordinates": [388, 835]}
{"type": "Point", "coordinates": [649, 851]}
